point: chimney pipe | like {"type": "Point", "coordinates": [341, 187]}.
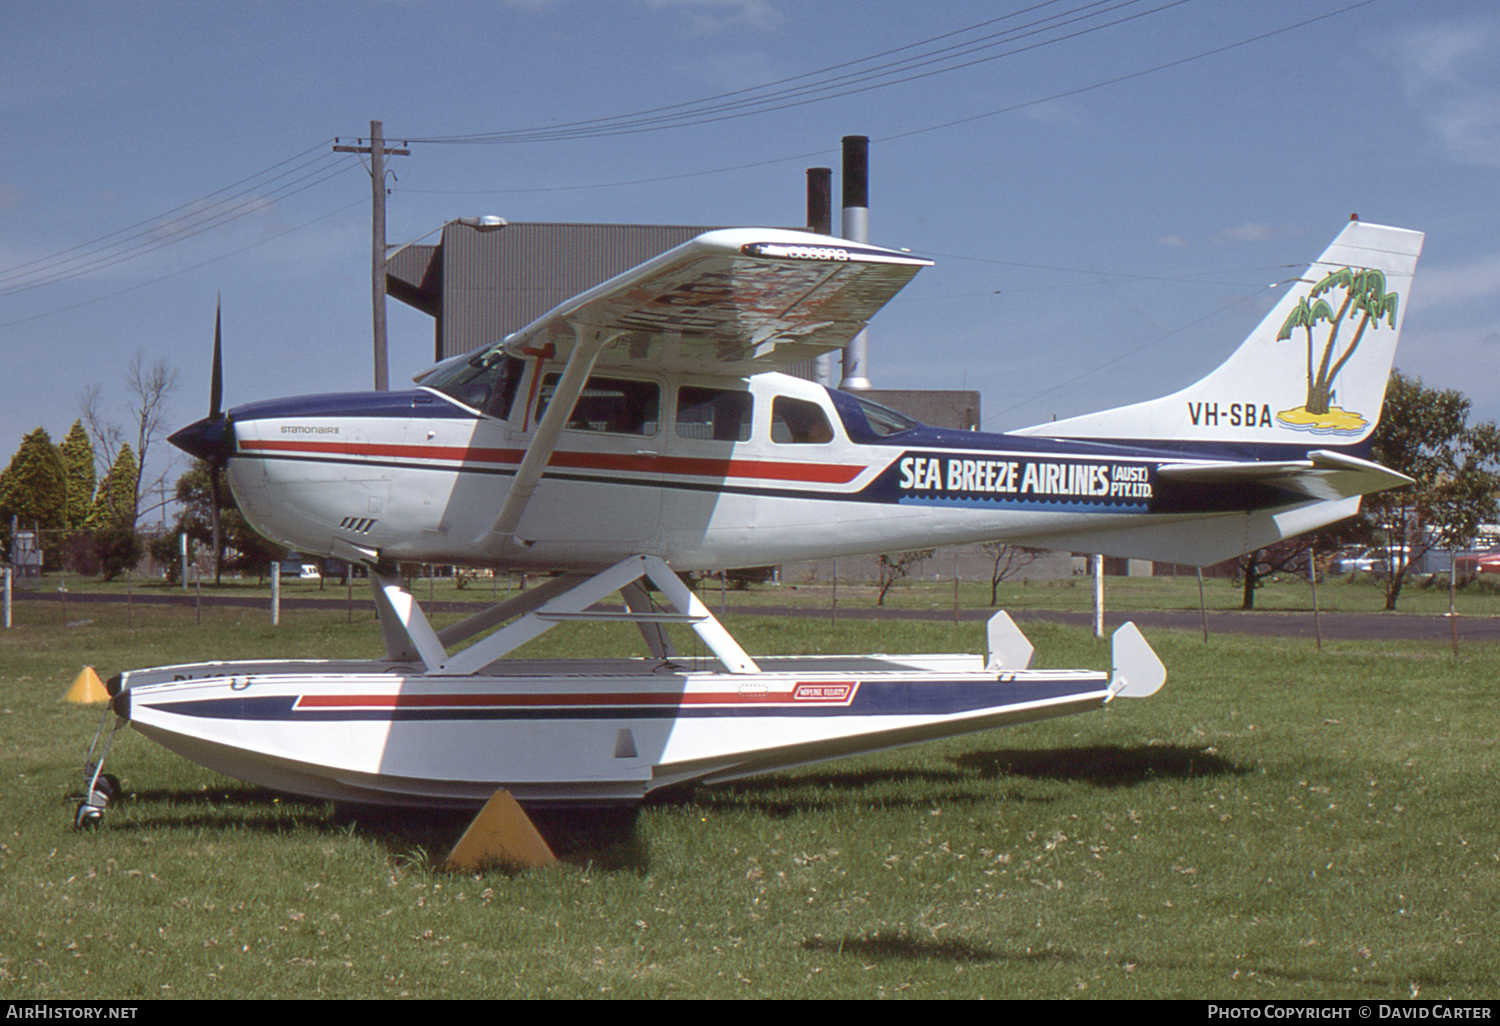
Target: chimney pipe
{"type": "Point", "coordinates": [856, 228]}
{"type": "Point", "coordinates": [820, 200]}
{"type": "Point", "coordinates": [820, 220]}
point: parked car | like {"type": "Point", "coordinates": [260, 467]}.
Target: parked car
{"type": "Point", "coordinates": [294, 564]}
{"type": "Point", "coordinates": [1374, 560]}
{"type": "Point", "coordinates": [1470, 563]}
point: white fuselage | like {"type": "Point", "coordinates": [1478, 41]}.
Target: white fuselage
{"type": "Point", "coordinates": [796, 472]}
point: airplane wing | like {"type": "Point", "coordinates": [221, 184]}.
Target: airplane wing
{"type": "Point", "coordinates": [1323, 475]}
{"type": "Point", "coordinates": [738, 302]}
{"type": "Point", "coordinates": [734, 302]}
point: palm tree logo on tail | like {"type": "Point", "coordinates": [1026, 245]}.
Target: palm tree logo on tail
{"type": "Point", "coordinates": [1365, 300]}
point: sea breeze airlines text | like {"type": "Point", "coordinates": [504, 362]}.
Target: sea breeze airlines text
{"type": "Point", "coordinates": [1024, 477]}
{"type": "Point", "coordinates": [1362, 1010]}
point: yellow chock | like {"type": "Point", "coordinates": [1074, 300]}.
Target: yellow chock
{"type": "Point", "coordinates": [502, 834]}
{"type": "Point", "coordinates": [87, 688]}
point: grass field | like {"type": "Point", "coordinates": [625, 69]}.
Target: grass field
{"type": "Point", "coordinates": [1276, 823]}
{"type": "Point", "coordinates": [1423, 594]}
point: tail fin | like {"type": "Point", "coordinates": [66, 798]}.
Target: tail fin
{"type": "Point", "coordinates": [1313, 372]}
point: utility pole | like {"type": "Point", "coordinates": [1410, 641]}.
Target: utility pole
{"type": "Point", "coordinates": [378, 152]}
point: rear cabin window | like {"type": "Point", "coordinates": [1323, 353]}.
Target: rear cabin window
{"type": "Point", "coordinates": [615, 406]}
{"type": "Point", "coordinates": [883, 420]}
{"type": "Point", "coordinates": [713, 414]}
{"type": "Point", "coordinates": [798, 422]}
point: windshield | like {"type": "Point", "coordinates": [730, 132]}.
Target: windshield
{"type": "Point", "coordinates": [486, 381]}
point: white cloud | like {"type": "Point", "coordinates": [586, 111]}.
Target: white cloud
{"type": "Point", "coordinates": [1448, 73]}
{"type": "Point", "coordinates": [711, 17]}
{"type": "Point", "coordinates": [1172, 240]}
{"type": "Point", "coordinates": [1253, 232]}
{"type": "Point", "coordinates": [1442, 286]}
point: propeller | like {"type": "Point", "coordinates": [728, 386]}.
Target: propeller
{"type": "Point", "coordinates": [216, 383]}
{"type": "Point", "coordinates": [212, 438]}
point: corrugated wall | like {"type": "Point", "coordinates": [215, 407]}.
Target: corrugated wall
{"type": "Point", "coordinates": [497, 282]}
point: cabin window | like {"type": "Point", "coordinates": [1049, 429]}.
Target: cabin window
{"type": "Point", "coordinates": [713, 414]}
{"type": "Point", "coordinates": [486, 381]}
{"type": "Point", "coordinates": [883, 420]}
{"type": "Point", "coordinates": [616, 406]}
{"type": "Point", "coordinates": [799, 422]}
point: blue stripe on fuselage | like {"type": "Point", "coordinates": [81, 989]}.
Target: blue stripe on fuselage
{"type": "Point", "coordinates": [1160, 450]}
{"type": "Point", "coordinates": [407, 404]}
{"type": "Point", "coordinates": [425, 404]}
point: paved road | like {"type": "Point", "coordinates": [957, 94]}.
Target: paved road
{"type": "Point", "coordinates": [1343, 626]}
{"type": "Point", "coordinates": [1346, 626]}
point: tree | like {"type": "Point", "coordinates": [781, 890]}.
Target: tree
{"type": "Point", "coordinates": [78, 462]}
{"type": "Point", "coordinates": [1008, 561]}
{"type": "Point", "coordinates": [119, 549]}
{"type": "Point", "coordinates": [34, 488]}
{"type": "Point", "coordinates": [1424, 433]}
{"type": "Point", "coordinates": [150, 387]}
{"type": "Point", "coordinates": [1288, 556]}
{"type": "Point", "coordinates": [898, 565]}
{"type": "Point", "coordinates": [253, 553]}
{"type": "Point", "coordinates": [114, 502]}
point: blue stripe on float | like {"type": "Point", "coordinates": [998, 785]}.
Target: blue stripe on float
{"type": "Point", "coordinates": [873, 698]}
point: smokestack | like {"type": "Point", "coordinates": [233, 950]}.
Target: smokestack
{"type": "Point", "coordinates": [820, 200]}
{"type": "Point", "coordinates": [820, 220]}
{"type": "Point", "coordinates": [856, 228]}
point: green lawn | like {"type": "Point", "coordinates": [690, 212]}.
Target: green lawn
{"type": "Point", "coordinates": [1358, 593]}
{"type": "Point", "coordinates": [1276, 823]}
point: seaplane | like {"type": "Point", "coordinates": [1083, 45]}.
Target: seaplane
{"type": "Point", "coordinates": [644, 428]}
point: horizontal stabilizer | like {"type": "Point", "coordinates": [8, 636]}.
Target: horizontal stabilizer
{"type": "Point", "coordinates": [1323, 475]}
{"type": "Point", "coordinates": [1196, 540]}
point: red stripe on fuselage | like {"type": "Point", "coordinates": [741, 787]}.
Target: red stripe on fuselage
{"type": "Point", "coordinates": [693, 466]}
{"type": "Point", "coordinates": [846, 694]}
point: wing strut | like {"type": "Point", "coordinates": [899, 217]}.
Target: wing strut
{"type": "Point", "coordinates": [590, 339]}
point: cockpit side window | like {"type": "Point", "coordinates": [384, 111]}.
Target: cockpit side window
{"type": "Point", "coordinates": [716, 414]}
{"type": "Point", "coordinates": [799, 422]}
{"type": "Point", "coordinates": [617, 406]}
{"type": "Point", "coordinates": [486, 381]}
{"type": "Point", "coordinates": [883, 420]}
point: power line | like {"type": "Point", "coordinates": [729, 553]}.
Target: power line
{"type": "Point", "coordinates": [185, 270]}
{"type": "Point", "coordinates": [1011, 108]}
{"type": "Point", "coordinates": [178, 224]}
{"type": "Point", "coordinates": [486, 136]}
{"type": "Point", "coordinates": [1142, 73]}
{"type": "Point", "coordinates": [1127, 355]}
{"type": "Point", "coordinates": [151, 220]}
{"type": "Point", "coordinates": [769, 98]}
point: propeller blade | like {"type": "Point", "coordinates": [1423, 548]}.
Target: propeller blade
{"type": "Point", "coordinates": [216, 383]}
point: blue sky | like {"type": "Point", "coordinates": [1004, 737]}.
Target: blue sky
{"type": "Point", "coordinates": [1104, 232]}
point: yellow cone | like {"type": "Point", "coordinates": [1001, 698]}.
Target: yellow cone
{"type": "Point", "coordinates": [501, 834]}
{"type": "Point", "coordinates": [87, 689]}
